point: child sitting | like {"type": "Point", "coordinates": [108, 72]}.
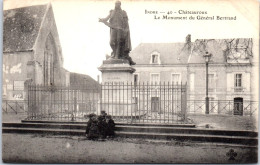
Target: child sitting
{"type": "Point", "coordinates": [110, 126]}
{"type": "Point", "coordinates": [92, 128]}
{"type": "Point", "coordinates": [89, 122]}
{"type": "Point", "coordinates": [102, 127]}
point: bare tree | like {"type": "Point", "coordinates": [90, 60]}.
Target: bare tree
{"type": "Point", "coordinates": [229, 47]}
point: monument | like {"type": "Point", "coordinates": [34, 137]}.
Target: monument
{"type": "Point", "coordinates": [117, 70]}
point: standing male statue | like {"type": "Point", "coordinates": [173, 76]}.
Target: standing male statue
{"type": "Point", "coordinates": [120, 41]}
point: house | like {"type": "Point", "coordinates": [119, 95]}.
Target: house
{"type": "Point", "coordinates": [232, 69]}
{"type": "Point", "coordinates": [230, 73]}
{"type": "Point", "coordinates": [161, 62]}
{"type": "Point", "coordinates": [31, 50]}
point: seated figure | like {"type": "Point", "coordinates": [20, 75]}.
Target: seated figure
{"type": "Point", "coordinates": [110, 126]}
{"type": "Point", "coordinates": [92, 131]}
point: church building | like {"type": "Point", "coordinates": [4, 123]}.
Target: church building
{"type": "Point", "coordinates": [31, 50]}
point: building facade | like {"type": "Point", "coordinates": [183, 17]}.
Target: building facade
{"type": "Point", "coordinates": [232, 73]}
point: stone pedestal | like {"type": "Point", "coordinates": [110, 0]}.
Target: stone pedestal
{"type": "Point", "coordinates": [117, 99]}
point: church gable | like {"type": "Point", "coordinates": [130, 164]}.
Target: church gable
{"type": "Point", "coordinates": [48, 33]}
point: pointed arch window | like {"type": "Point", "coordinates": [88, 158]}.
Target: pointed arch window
{"type": "Point", "coordinates": [49, 60]}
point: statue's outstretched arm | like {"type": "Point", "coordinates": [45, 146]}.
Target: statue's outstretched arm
{"type": "Point", "coordinates": [105, 19]}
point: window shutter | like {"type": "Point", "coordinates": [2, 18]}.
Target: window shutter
{"type": "Point", "coordinates": [246, 81]}
{"type": "Point", "coordinates": [230, 81]}
{"type": "Point", "coordinates": [235, 80]}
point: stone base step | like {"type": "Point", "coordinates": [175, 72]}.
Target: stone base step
{"type": "Point", "coordinates": [44, 131]}
{"type": "Point", "coordinates": [181, 125]}
{"type": "Point", "coordinates": [180, 132]}
{"type": "Point", "coordinates": [117, 122]}
{"type": "Point", "coordinates": [46, 125]}
{"type": "Point", "coordinates": [251, 141]}
{"type": "Point", "coordinates": [184, 130]}
{"type": "Point", "coordinates": [192, 137]}
{"type": "Point", "coordinates": [150, 128]}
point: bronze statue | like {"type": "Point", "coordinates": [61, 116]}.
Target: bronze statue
{"type": "Point", "coordinates": [120, 41]}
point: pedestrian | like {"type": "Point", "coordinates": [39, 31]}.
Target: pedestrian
{"type": "Point", "coordinates": [110, 126]}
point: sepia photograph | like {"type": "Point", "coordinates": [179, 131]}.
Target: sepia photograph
{"type": "Point", "coordinates": [104, 82]}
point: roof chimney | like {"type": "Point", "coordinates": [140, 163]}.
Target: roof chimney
{"type": "Point", "coordinates": [188, 42]}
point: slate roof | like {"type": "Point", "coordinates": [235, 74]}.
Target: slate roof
{"type": "Point", "coordinates": [170, 53]}
{"type": "Point", "coordinates": [21, 27]}
{"type": "Point", "coordinates": [82, 81]}
{"type": "Point", "coordinates": [182, 53]}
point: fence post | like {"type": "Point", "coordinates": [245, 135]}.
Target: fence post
{"type": "Point", "coordinates": [27, 83]}
{"type": "Point", "coordinates": [6, 106]}
{"type": "Point", "coordinates": [251, 104]}
{"type": "Point", "coordinates": [184, 102]}
{"type": "Point", "coordinates": [185, 94]}
{"type": "Point", "coordinates": [74, 109]}
{"type": "Point", "coordinates": [100, 97]}
{"type": "Point", "coordinates": [218, 106]}
{"type": "Point", "coordinates": [16, 107]}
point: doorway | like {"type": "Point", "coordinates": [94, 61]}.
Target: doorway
{"type": "Point", "coordinates": [238, 106]}
{"type": "Point", "coordinates": [155, 104]}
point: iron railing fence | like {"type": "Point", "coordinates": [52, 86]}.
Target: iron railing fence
{"type": "Point", "coordinates": [14, 106]}
{"type": "Point", "coordinates": [61, 102]}
{"type": "Point", "coordinates": [125, 102]}
{"type": "Point", "coordinates": [229, 107]}
{"type": "Point", "coordinates": [145, 102]}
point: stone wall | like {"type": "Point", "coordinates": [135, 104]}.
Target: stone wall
{"type": "Point", "coordinates": [15, 72]}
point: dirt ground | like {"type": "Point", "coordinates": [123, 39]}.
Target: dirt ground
{"type": "Point", "coordinates": [18, 148]}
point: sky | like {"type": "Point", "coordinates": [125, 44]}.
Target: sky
{"type": "Point", "coordinates": [85, 41]}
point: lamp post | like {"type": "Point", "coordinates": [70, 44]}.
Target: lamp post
{"type": "Point", "coordinates": [207, 57]}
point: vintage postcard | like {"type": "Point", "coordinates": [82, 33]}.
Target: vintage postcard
{"type": "Point", "coordinates": [88, 81]}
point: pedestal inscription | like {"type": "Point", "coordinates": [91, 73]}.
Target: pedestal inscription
{"type": "Point", "coordinates": [117, 99]}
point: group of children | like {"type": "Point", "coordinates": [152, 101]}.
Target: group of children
{"type": "Point", "coordinates": [100, 127]}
